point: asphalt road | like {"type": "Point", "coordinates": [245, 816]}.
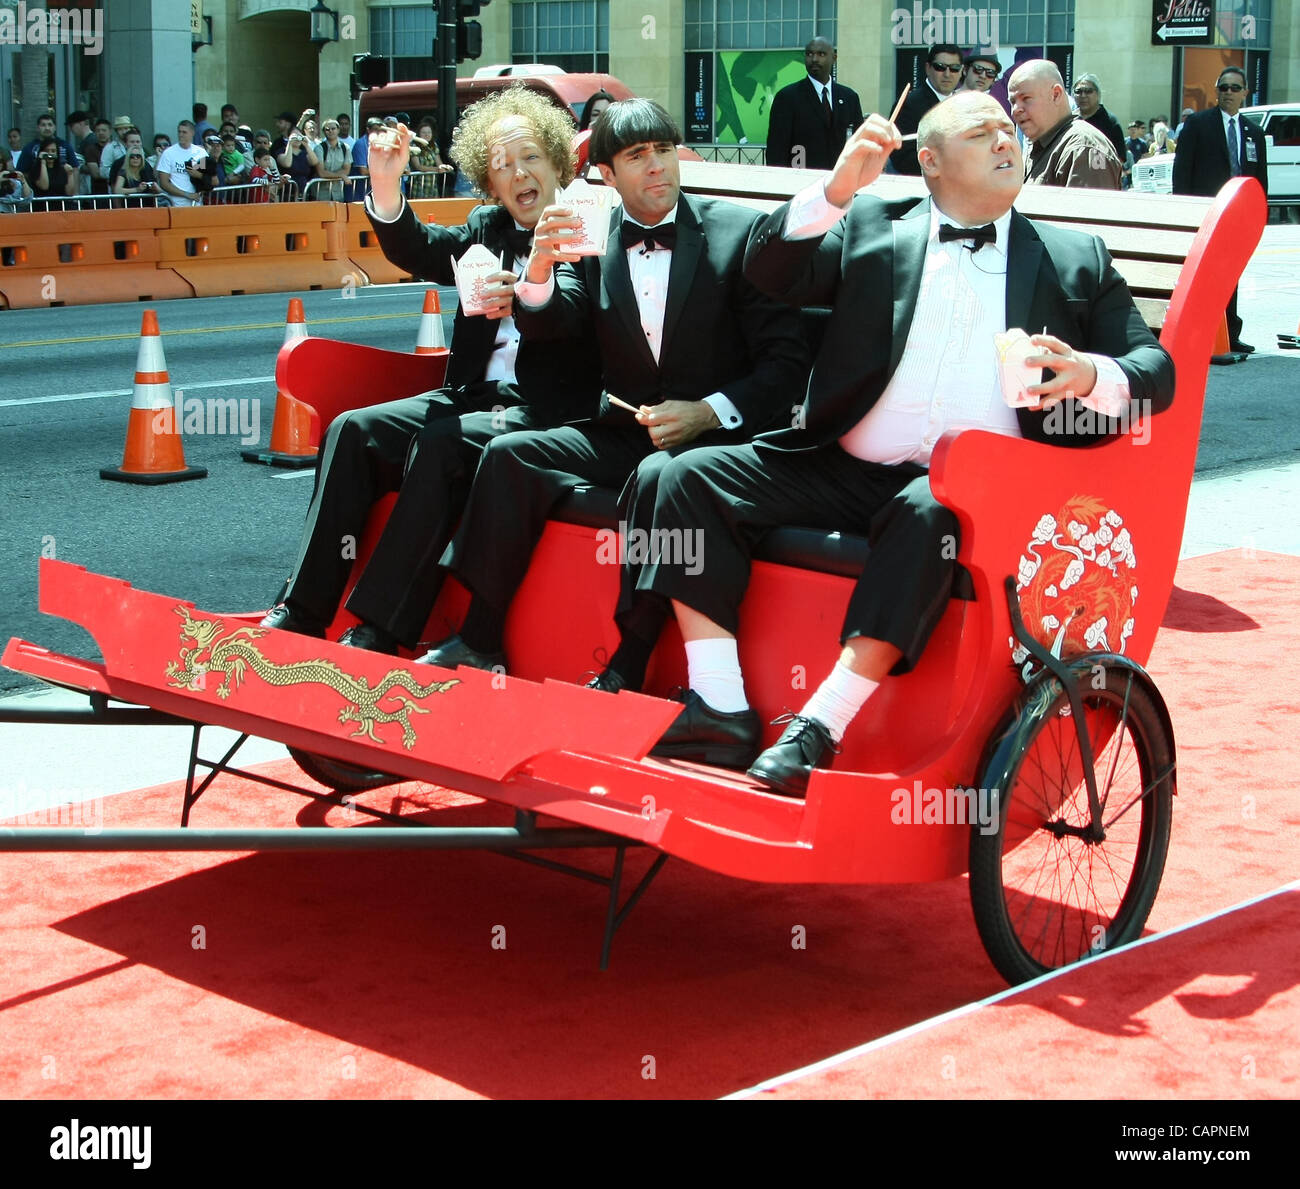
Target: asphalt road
{"type": "Point", "coordinates": [226, 542]}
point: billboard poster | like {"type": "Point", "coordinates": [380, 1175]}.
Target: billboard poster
{"type": "Point", "coordinates": [699, 97]}
{"type": "Point", "coordinates": [747, 81]}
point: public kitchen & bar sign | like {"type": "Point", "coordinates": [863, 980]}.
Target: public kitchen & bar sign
{"type": "Point", "coordinates": [1182, 22]}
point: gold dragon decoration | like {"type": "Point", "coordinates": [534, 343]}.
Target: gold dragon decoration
{"type": "Point", "coordinates": [235, 653]}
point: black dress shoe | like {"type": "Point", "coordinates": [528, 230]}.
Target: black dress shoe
{"type": "Point", "coordinates": [607, 680]}
{"type": "Point", "coordinates": [710, 736]}
{"type": "Point", "coordinates": [369, 637]}
{"type": "Point", "coordinates": [786, 766]}
{"type": "Point", "coordinates": [1241, 348]}
{"type": "Point", "coordinates": [287, 620]}
{"type": "Point", "coordinates": [454, 651]}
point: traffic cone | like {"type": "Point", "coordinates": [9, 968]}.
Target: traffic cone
{"type": "Point", "coordinates": [291, 426]}
{"type": "Point", "coordinates": [1223, 352]}
{"type": "Point", "coordinates": [431, 340]}
{"type": "Point", "coordinates": [154, 453]}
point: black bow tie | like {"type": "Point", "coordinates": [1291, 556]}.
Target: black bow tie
{"type": "Point", "coordinates": [663, 236]}
{"type": "Point", "coordinates": [519, 240]}
{"type": "Point", "coordinates": [988, 234]}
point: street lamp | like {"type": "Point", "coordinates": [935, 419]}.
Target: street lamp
{"type": "Point", "coordinates": [324, 24]}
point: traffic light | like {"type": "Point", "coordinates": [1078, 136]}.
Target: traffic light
{"type": "Point", "coordinates": [469, 34]}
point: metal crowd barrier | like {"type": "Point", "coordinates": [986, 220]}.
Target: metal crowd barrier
{"type": "Point", "coordinates": [732, 154]}
{"type": "Point", "coordinates": [90, 202]}
{"type": "Point", "coordinates": [251, 192]}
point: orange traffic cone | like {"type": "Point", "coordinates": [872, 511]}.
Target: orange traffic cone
{"type": "Point", "coordinates": [431, 340]}
{"type": "Point", "coordinates": [154, 453]}
{"type": "Point", "coordinates": [1223, 352]}
{"type": "Point", "coordinates": [291, 426]}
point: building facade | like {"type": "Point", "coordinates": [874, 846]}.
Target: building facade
{"type": "Point", "coordinates": [714, 63]}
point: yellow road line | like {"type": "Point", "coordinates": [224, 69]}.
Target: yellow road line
{"type": "Point", "coordinates": [106, 338]}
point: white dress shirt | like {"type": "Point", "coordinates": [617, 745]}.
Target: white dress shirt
{"type": "Point", "coordinates": [501, 364]}
{"type": "Point", "coordinates": [947, 377]}
{"type": "Point", "coordinates": [649, 275]}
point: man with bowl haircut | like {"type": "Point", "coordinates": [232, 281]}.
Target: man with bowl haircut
{"type": "Point", "coordinates": [917, 292]}
{"type": "Point", "coordinates": [517, 148]}
{"type": "Point", "coordinates": [683, 337]}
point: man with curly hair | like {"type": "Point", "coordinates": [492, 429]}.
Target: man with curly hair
{"type": "Point", "coordinates": [683, 336]}
{"type": "Point", "coordinates": [517, 149]}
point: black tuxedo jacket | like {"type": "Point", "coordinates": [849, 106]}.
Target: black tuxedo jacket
{"type": "Point", "coordinates": [919, 101]}
{"type": "Point", "coordinates": [797, 134]}
{"type": "Point", "coordinates": [868, 268]}
{"type": "Point", "coordinates": [720, 334]}
{"type": "Point", "coordinates": [559, 380]}
{"type": "Point", "coordinates": [1201, 155]}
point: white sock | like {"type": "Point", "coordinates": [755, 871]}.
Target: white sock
{"type": "Point", "coordinates": [713, 672]}
{"type": "Point", "coordinates": [838, 699]}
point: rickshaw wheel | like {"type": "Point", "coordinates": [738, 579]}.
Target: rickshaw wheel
{"type": "Point", "coordinates": [336, 775]}
{"type": "Point", "coordinates": [1043, 897]}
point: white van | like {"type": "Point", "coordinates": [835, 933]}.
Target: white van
{"type": "Point", "coordinates": [1281, 124]}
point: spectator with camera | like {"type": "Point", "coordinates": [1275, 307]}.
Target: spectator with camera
{"type": "Point", "coordinates": [13, 185]}
{"type": "Point", "coordinates": [132, 177]}
{"type": "Point", "coordinates": [50, 176]}
{"type": "Point", "coordinates": [182, 169]}
{"type": "Point", "coordinates": [44, 132]}
{"type": "Point", "coordinates": [298, 160]}
{"type": "Point", "coordinates": [161, 143]}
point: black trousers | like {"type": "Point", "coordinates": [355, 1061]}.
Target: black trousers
{"type": "Point", "coordinates": [366, 455]}
{"type": "Point", "coordinates": [1234, 322]}
{"type": "Point", "coordinates": [736, 494]}
{"type": "Point", "coordinates": [522, 476]}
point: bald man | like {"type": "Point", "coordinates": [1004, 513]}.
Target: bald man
{"type": "Point", "coordinates": [1066, 150]}
{"type": "Point", "coordinates": [943, 275]}
{"type": "Point", "coordinates": [810, 120]}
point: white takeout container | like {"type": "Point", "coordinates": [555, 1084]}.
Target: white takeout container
{"type": "Point", "coordinates": [1013, 348]}
{"type": "Point", "coordinates": [471, 272]}
{"type": "Point", "coordinates": [591, 204]}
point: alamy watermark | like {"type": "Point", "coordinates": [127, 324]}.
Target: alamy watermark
{"type": "Point", "coordinates": [1074, 417]}
{"type": "Point", "coordinates": [659, 546]}
{"type": "Point", "coordinates": [945, 26]}
{"type": "Point", "coordinates": [919, 806]}
{"type": "Point", "coordinates": [53, 26]}
{"type": "Point", "coordinates": [211, 415]}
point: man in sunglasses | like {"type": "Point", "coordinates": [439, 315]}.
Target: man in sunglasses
{"type": "Point", "coordinates": [943, 68]}
{"type": "Point", "coordinates": [1066, 150]}
{"type": "Point", "coordinates": [1087, 98]}
{"type": "Point", "coordinates": [1216, 145]}
{"type": "Point", "coordinates": [979, 73]}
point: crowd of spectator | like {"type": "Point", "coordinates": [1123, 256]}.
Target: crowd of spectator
{"type": "Point", "coordinates": [103, 162]}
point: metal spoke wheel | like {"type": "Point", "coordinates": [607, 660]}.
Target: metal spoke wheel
{"type": "Point", "coordinates": [1045, 888]}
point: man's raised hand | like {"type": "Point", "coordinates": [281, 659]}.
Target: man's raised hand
{"type": "Point", "coordinates": [557, 225]}
{"type": "Point", "coordinates": [862, 159]}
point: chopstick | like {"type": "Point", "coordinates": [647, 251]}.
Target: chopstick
{"type": "Point", "coordinates": [893, 115]}
{"type": "Point", "coordinates": [622, 404]}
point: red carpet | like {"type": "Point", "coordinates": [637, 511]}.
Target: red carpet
{"type": "Point", "coordinates": [1211, 1011]}
{"type": "Point", "coordinates": [375, 975]}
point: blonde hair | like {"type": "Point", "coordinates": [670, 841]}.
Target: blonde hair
{"type": "Point", "coordinates": [470, 145]}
